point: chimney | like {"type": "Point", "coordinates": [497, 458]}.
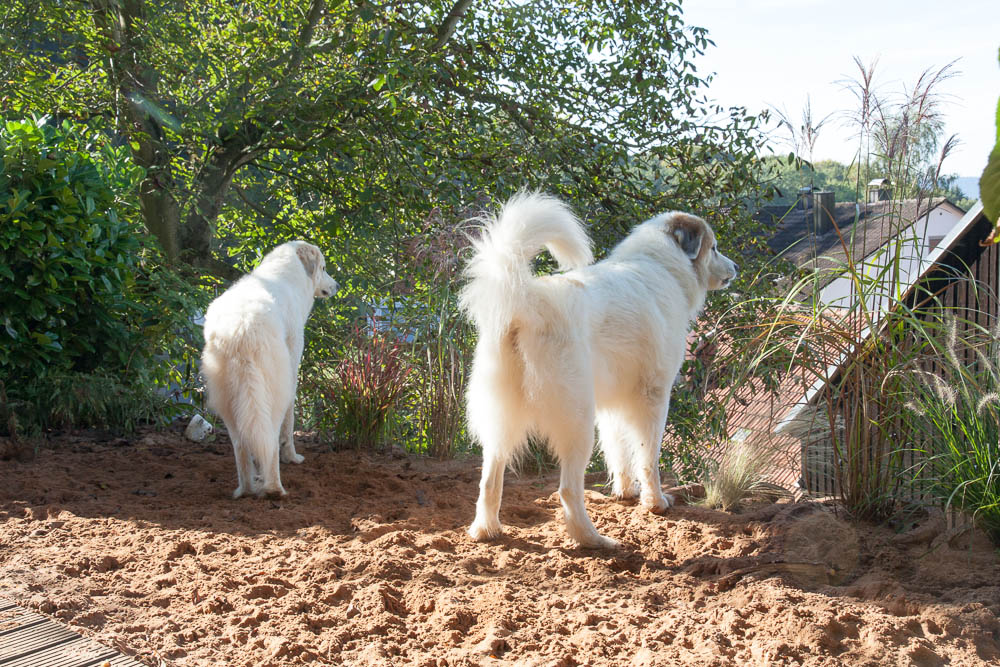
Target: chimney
{"type": "Point", "coordinates": [879, 189]}
{"type": "Point", "coordinates": [806, 197]}
{"type": "Point", "coordinates": [823, 211]}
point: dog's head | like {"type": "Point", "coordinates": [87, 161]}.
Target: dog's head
{"type": "Point", "coordinates": [312, 260]}
{"type": "Point", "coordinates": [697, 240]}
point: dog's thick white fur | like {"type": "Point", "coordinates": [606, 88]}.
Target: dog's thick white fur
{"type": "Point", "coordinates": [253, 345]}
{"type": "Point", "coordinates": [598, 343]}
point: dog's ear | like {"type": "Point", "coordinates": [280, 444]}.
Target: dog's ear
{"type": "Point", "coordinates": [310, 257]}
{"type": "Point", "coordinates": [690, 233]}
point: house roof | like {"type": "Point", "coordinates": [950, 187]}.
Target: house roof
{"type": "Point", "coordinates": [751, 416]}
{"type": "Point", "coordinates": [935, 260]}
{"type": "Point", "coordinates": [768, 419]}
{"type": "Point", "coordinates": [859, 229]}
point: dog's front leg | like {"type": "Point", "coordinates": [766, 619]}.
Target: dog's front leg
{"type": "Point", "coordinates": [617, 454]}
{"type": "Point", "coordinates": [486, 525]}
{"type": "Point", "coordinates": [648, 454]}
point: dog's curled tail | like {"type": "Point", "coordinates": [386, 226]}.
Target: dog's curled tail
{"type": "Point", "coordinates": [499, 273]}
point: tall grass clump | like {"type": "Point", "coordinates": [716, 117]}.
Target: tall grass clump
{"type": "Point", "coordinates": [370, 382]}
{"type": "Point", "coordinates": [954, 395]}
{"type": "Point", "coordinates": [852, 414]}
{"type": "Point", "coordinates": [847, 349]}
{"type": "Point", "coordinates": [439, 391]}
{"type": "Point", "coordinates": [441, 352]}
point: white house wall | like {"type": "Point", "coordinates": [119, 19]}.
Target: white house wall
{"type": "Point", "coordinates": [914, 247]}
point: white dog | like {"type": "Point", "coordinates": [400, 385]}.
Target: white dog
{"type": "Point", "coordinates": [599, 342]}
{"type": "Point", "coordinates": [253, 345]}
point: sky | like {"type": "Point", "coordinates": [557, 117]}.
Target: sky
{"type": "Point", "coordinates": [776, 53]}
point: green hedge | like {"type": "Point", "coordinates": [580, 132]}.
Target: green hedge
{"type": "Point", "coordinates": [67, 258]}
{"type": "Point", "coordinates": [91, 321]}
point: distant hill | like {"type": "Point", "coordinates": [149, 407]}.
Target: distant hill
{"type": "Point", "coordinates": [969, 185]}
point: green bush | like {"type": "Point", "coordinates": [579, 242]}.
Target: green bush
{"type": "Point", "coordinates": [67, 259]}
{"type": "Point", "coordinates": [90, 316]}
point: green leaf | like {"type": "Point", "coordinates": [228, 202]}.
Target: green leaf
{"type": "Point", "coordinates": [989, 189]}
{"type": "Point", "coordinates": [989, 182]}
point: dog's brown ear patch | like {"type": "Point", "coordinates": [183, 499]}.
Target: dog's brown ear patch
{"type": "Point", "coordinates": [310, 257]}
{"type": "Point", "coordinates": [690, 233]}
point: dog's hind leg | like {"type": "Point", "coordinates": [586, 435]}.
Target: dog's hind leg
{"type": "Point", "coordinates": [270, 472]}
{"type": "Point", "coordinates": [244, 468]}
{"type": "Point", "coordinates": [287, 438]}
{"type": "Point", "coordinates": [572, 440]}
{"type": "Point", "coordinates": [487, 522]}
{"type": "Point", "coordinates": [617, 455]}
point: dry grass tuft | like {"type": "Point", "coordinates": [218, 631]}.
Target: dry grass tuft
{"type": "Point", "coordinates": [742, 471]}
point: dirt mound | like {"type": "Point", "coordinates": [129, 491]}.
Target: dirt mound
{"type": "Point", "coordinates": [367, 562]}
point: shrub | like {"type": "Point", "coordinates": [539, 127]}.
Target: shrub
{"type": "Point", "coordinates": [92, 320]}
{"type": "Point", "coordinates": [67, 259]}
{"type": "Point", "coordinates": [370, 381]}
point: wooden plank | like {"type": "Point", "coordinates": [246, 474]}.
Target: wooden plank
{"type": "Point", "coordinates": [17, 618]}
{"type": "Point", "coordinates": [76, 653]}
{"type": "Point", "coordinates": [30, 639]}
{"type": "Point", "coordinates": [120, 661]}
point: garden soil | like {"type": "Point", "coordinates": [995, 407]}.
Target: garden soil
{"type": "Point", "coordinates": [138, 544]}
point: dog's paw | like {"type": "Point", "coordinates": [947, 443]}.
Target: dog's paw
{"type": "Point", "coordinates": [273, 493]}
{"type": "Point", "coordinates": [624, 492]}
{"type": "Point", "coordinates": [238, 493]}
{"type": "Point", "coordinates": [598, 541]}
{"type": "Point", "coordinates": [659, 503]}
{"type": "Point", "coordinates": [292, 458]}
{"type": "Point", "coordinates": [481, 531]}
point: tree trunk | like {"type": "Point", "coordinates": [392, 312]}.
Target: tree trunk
{"type": "Point", "coordinates": [197, 233]}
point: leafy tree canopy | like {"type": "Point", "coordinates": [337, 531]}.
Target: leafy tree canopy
{"type": "Point", "coordinates": [360, 124]}
{"type": "Point", "coordinates": [989, 183]}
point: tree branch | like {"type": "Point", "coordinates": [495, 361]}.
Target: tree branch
{"type": "Point", "coordinates": [305, 36]}
{"type": "Point", "coordinates": [447, 28]}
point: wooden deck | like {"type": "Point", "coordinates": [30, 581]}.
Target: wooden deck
{"type": "Point", "coordinates": [29, 639]}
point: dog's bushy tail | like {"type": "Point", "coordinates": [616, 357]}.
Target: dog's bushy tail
{"type": "Point", "coordinates": [499, 273]}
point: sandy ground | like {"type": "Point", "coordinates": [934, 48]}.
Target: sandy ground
{"type": "Point", "coordinates": [138, 544]}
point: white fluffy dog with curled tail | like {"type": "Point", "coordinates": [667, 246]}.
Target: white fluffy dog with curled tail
{"type": "Point", "coordinates": [599, 343]}
{"type": "Point", "coordinates": [253, 345]}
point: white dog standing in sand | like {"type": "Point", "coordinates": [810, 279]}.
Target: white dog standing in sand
{"type": "Point", "coordinates": [253, 345]}
{"type": "Point", "coordinates": [601, 342]}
